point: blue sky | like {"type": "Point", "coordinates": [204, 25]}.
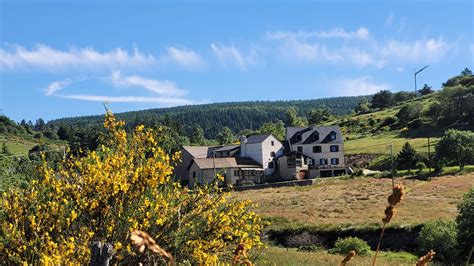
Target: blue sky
{"type": "Point", "coordinates": [65, 58]}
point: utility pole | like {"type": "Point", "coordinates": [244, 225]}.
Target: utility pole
{"type": "Point", "coordinates": [393, 166]}
{"type": "Point", "coordinates": [416, 73]}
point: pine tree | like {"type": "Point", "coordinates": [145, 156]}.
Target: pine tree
{"type": "Point", "coordinates": [407, 158]}
{"type": "Point", "coordinates": [226, 136]}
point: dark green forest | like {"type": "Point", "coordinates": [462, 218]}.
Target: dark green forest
{"type": "Point", "coordinates": [213, 117]}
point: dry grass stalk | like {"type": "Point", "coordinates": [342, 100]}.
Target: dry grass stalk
{"type": "Point", "coordinates": [240, 256]}
{"type": "Point", "coordinates": [142, 240]}
{"type": "Point", "coordinates": [393, 199]}
{"type": "Point", "coordinates": [423, 261]}
{"type": "Point", "coordinates": [348, 257]}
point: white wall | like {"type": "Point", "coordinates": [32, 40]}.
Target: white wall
{"type": "Point", "coordinates": [325, 152]}
{"type": "Point", "coordinates": [261, 152]}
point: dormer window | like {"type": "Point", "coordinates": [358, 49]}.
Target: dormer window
{"type": "Point", "coordinates": [298, 138]}
{"type": "Point", "coordinates": [315, 136]}
{"type": "Point", "coordinates": [332, 136]}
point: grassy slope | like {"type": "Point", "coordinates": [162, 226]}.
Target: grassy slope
{"type": "Point", "coordinates": [362, 138]}
{"type": "Point", "coordinates": [361, 202]}
{"type": "Point", "coordinates": [20, 145]}
{"type": "Point", "coordinates": [283, 256]}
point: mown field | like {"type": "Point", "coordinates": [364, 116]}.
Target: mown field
{"type": "Point", "coordinates": [361, 202]}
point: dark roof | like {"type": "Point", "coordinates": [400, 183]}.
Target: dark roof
{"type": "Point", "coordinates": [308, 132]}
{"type": "Point", "coordinates": [257, 138]}
{"type": "Point", "coordinates": [200, 151]}
{"type": "Point", "coordinates": [228, 148]}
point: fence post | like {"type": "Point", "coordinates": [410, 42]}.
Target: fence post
{"type": "Point", "coordinates": [101, 253]}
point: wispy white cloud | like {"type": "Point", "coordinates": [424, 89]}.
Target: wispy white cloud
{"type": "Point", "coordinates": [183, 57]}
{"type": "Point", "coordinates": [427, 50]}
{"type": "Point", "coordinates": [127, 99]}
{"type": "Point", "coordinates": [399, 69]}
{"type": "Point", "coordinates": [57, 85]}
{"type": "Point", "coordinates": [359, 86]}
{"type": "Point", "coordinates": [312, 47]}
{"type": "Point", "coordinates": [389, 20]}
{"type": "Point", "coordinates": [164, 92]}
{"type": "Point", "coordinates": [361, 33]}
{"type": "Point", "coordinates": [229, 55]}
{"type": "Point", "coordinates": [164, 88]}
{"type": "Point", "coordinates": [45, 58]}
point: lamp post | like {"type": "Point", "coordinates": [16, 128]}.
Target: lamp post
{"type": "Point", "coordinates": [416, 73]}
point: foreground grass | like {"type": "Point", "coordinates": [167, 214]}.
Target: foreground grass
{"type": "Point", "coordinates": [282, 256]}
{"type": "Point", "coordinates": [361, 202]}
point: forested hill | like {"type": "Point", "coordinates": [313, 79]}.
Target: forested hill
{"type": "Point", "coordinates": [213, 117]}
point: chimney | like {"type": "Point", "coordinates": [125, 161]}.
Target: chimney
{"type": "Point", "coordinates": [243, 141]}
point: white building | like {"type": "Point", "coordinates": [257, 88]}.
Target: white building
{"type": "Point", "coordinates": [323, 146]}
{"type": "Point", "coordinates": [263, 149]}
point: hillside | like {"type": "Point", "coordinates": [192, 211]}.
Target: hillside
{"type": "Point", "coordinates": [212, 117]}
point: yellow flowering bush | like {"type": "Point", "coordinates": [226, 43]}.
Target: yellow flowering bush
{"type": "Point", "coordinates": [104, 195]}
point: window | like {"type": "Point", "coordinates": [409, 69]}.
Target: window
{"type": "Point", "coordinates": [270, 165]}
{"type": "Point", "coordinates": [332, 136]}
{"type": "Point", "coordinates": [334, 161]}
{"type": "Point", "coordinates": [236, 173]}
{"type": "Point", "coordinates": [299, 149]}
{"type": "Point", "coordinates": [316, 137]}
{"type": "Point", "coordinates": [194, 174]}
{"type": "Point", "coordinates": [272, 154]}
{"type": "Point", "coordinates": [298, 138]}
{"type": "Point", "coordinates": [317, 149]}
{"type": "Point", "coordinates": [334, 148]}
{"type": "Point", "coordinates": [273, 143]}
{"type": "Point", "coordinates": [323, 161]}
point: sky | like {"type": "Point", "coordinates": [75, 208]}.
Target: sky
{"type": "Point", "coordinates": [66, 58]}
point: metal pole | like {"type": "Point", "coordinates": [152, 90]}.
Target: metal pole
{"type": "Point", "coordinates": [393, 167]}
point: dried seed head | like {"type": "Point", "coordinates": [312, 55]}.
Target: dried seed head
{"type": "Point", "coordinates": [396, 195]}
{"type": "Point", "coordinates": [423, 261]}
{"type": "Point", "coordinates": [348, 257]}
{"type": "Point", "coordinates": [389, 212]}
{"type": "Point", "coordinates": [142, 240]}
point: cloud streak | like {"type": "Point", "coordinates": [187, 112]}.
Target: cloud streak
{"type": "Point", "coordinates": [57, 85]}
{"type": "Point", "coordinates": [357, 47]}
{"type": "Point", "coordinates": [45, 58]}
{"type": "Point", "coordinates": [183, 57]}
{"type": "Point", "coordinates": [361, 33]}
{"type": "Point", "coordinates": [128, 99]}
{"type": "Point", "coordinates": [164, 88]}
{"type": "Point", "coordinates": [163, 92]}
{"type": "Point", "coordinates": [229, 55]}
{"type": "Point", "coordinates": [359, 86]}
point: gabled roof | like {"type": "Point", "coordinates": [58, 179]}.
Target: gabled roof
{"type": "Point", "coordinates": [200, 151]}
{"type": "Point", "coordinates": [257, 138]}
{"type": "Point", "coordinates": [307, 132]}
{"type": "Point", "coordinates": [229, 162]}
